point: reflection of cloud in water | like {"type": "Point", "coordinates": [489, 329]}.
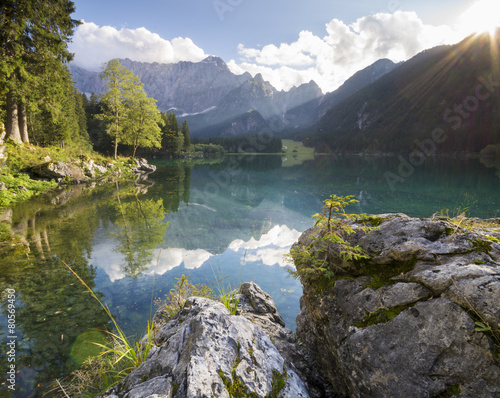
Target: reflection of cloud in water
{"type": "Point", "coordinates": [280, 238]}
{"type": "Point", "coordinates": [269, 250]}
{"type": "Point", "coordinates": [111, 262]}
{"type": "Point", "coordinates": [174, 257]}
{"type": "Point", "coordinates": [270, 256]}
{"type": "Point", "coordinates": [279, 235]}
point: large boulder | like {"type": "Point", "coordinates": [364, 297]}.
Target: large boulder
{"type": "Point", "coordinates": [204, 351]}
{"type": "Point", "coordinates": [58, 171]}
{"type": "Point", "coordinates": [407, 321]}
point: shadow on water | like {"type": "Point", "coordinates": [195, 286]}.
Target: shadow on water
{"type": "Point", "coordinates": [234, 217]}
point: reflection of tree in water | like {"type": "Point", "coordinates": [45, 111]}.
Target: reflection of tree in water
{"type": "Point", "coordinates": [53, 308]}
{"type": "Point", "coordinates": [140, 229]}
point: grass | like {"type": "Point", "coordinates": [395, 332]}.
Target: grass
{"type": "Point", "coordinates": [18, 184]}
{"type": "Point", "coordinates": [295, 153]}
{"type": "Point", "coordinates": [118, 357]}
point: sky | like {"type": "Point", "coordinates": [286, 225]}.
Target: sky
{"type": "Point", "coordinates": [290, 42]}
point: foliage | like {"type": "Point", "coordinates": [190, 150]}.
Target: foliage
{"type": "Point", "coordinates": [178, 295]}
{"type": "Point", "coordinates": [262, 143]}
{"type": "Point", "coordinates": [34, 38]}
{"type": "Point", "coordinates": [317, 262]}
{"type": "Point", "coordinates": [186, 134]}
{"type": "Point", "coordinates": [173, 142]}
{"type": "Point", "coordinates": [229, 297]}
{"type": "Point", "coordinates": [209, 150]}
{"type": "Point", "coordinates": [20, 187]}
{"type": "Point", "coordinates": [142, 126]}
{"type": "Point", "coordinates": [131, 116]}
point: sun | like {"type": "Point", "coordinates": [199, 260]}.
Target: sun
{"type": "Point", "coordinates": [482, 16]}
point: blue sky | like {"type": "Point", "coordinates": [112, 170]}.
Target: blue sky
{"type": "Point", "coordinates": [289, 41]}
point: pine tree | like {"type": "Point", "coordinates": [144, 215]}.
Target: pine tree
{"type": "Point", "coordinates": [187, 136]}
{"type": "Point", "coordinates": [33, 39]}
{"type": "Point", "coordinates": [173, 141]}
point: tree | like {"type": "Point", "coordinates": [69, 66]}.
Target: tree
{"type": "Point", "coordinates": [121, 85]}
{"type": "Point", "coordinates": [187, 136]}
{"type": "Point", "coordinates": [33, 38]}
{"type": "Point", "coordinates": [173, 140]}
{"type": "Point", "coordinates": [142, 128]}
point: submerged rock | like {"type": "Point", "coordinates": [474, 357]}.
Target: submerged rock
{"type": "Point", "coordinates": [403, 322]}
{"type": "Point", "coordinates": [204, 351]}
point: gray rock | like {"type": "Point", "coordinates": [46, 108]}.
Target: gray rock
{"type": "Point", "coordinates": [144, 167]}
{"type": "Point", "coordinates": [58, 170]}
{"type": "Point", "coordinates": [411, 333]}
{"type": "Point", "coordinates": [202, 348]}
{"type": "Point", "coordinates": [258, 307]}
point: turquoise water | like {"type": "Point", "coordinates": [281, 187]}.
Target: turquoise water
{"type": "Point", "coordinates": [232, 217]}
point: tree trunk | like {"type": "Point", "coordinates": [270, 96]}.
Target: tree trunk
{"type": "Point", "coordinates": [23, 122]}
{"type": "Point", "coordinates": [12, 123]}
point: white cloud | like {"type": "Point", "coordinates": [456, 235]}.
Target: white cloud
{"type": "Point", "coordinates": [94, 45]}
{"type": "Point", "coordinates": [344, 50]}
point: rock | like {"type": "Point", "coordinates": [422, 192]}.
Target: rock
{"type": "Point", "coordinates": [202, 350]}
{"type": "Point", "coordinates": [144, 167]}
{"type": "Point", "coordinates": [258, 307]}
{"type": "Point", "coordinates": [58, 170]}
{"type": "Point", "coordinates": [2, 186]}
{"type": "Point", "coordinates": [402, 323]}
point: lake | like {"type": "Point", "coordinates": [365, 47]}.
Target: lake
{"type": "Point", "coordinates": [230, 218]}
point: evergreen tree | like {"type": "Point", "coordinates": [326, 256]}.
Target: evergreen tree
{"type": "Point", "coordinates": [173, 140]}
{"type": "Point", "coordinates": [186, 134]}
{"type": "Point", "coordinates": [33, 45]}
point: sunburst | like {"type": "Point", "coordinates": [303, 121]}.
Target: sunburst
{"type": "Point", "coordinates": [482, 16]}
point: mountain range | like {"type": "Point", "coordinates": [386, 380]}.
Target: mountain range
{"type": "Point", "coordinates": [217, 102]}
{"type": "Point", "coordinates": [443, 100]}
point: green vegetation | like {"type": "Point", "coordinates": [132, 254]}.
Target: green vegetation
{"type": "Point", "coordinates": [248, 144]}
{"type": "Point", "coordinates": [117, 359]}
{"type": "Point", "coordinates": [177, 296]}
{"type": "Point", "coordinates": [295, 153]}
{"type": "Point", "coordinates": [317, 262]}
{"type": "Point", "coordinates": [131, 116]}
{"type": "Point", "coordinates": [381, 315]}
{"type": "Point", "coordinates": [33, 75]}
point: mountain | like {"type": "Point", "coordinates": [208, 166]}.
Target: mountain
{"type": "Point", "coordinates": [206, 93]}
{"type": "Point", "coordinates": [217, 102]}
{"type": "Point", "coordinates": [446, 99]}
{"type": "Point", "coordinates": [309, 113]}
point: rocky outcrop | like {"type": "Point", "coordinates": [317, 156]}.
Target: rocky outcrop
{"type": "Point", "coordinates": [86, 169]}
{"type": "Point", "coordinates": [206, 352]}
{"type": "Point", "coordinates": [58, 171]}
{"type": "Point", "coordinates": [407, 321]}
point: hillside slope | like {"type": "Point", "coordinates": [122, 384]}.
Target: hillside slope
{"type": "Point", "coordinates": [449, 95]}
